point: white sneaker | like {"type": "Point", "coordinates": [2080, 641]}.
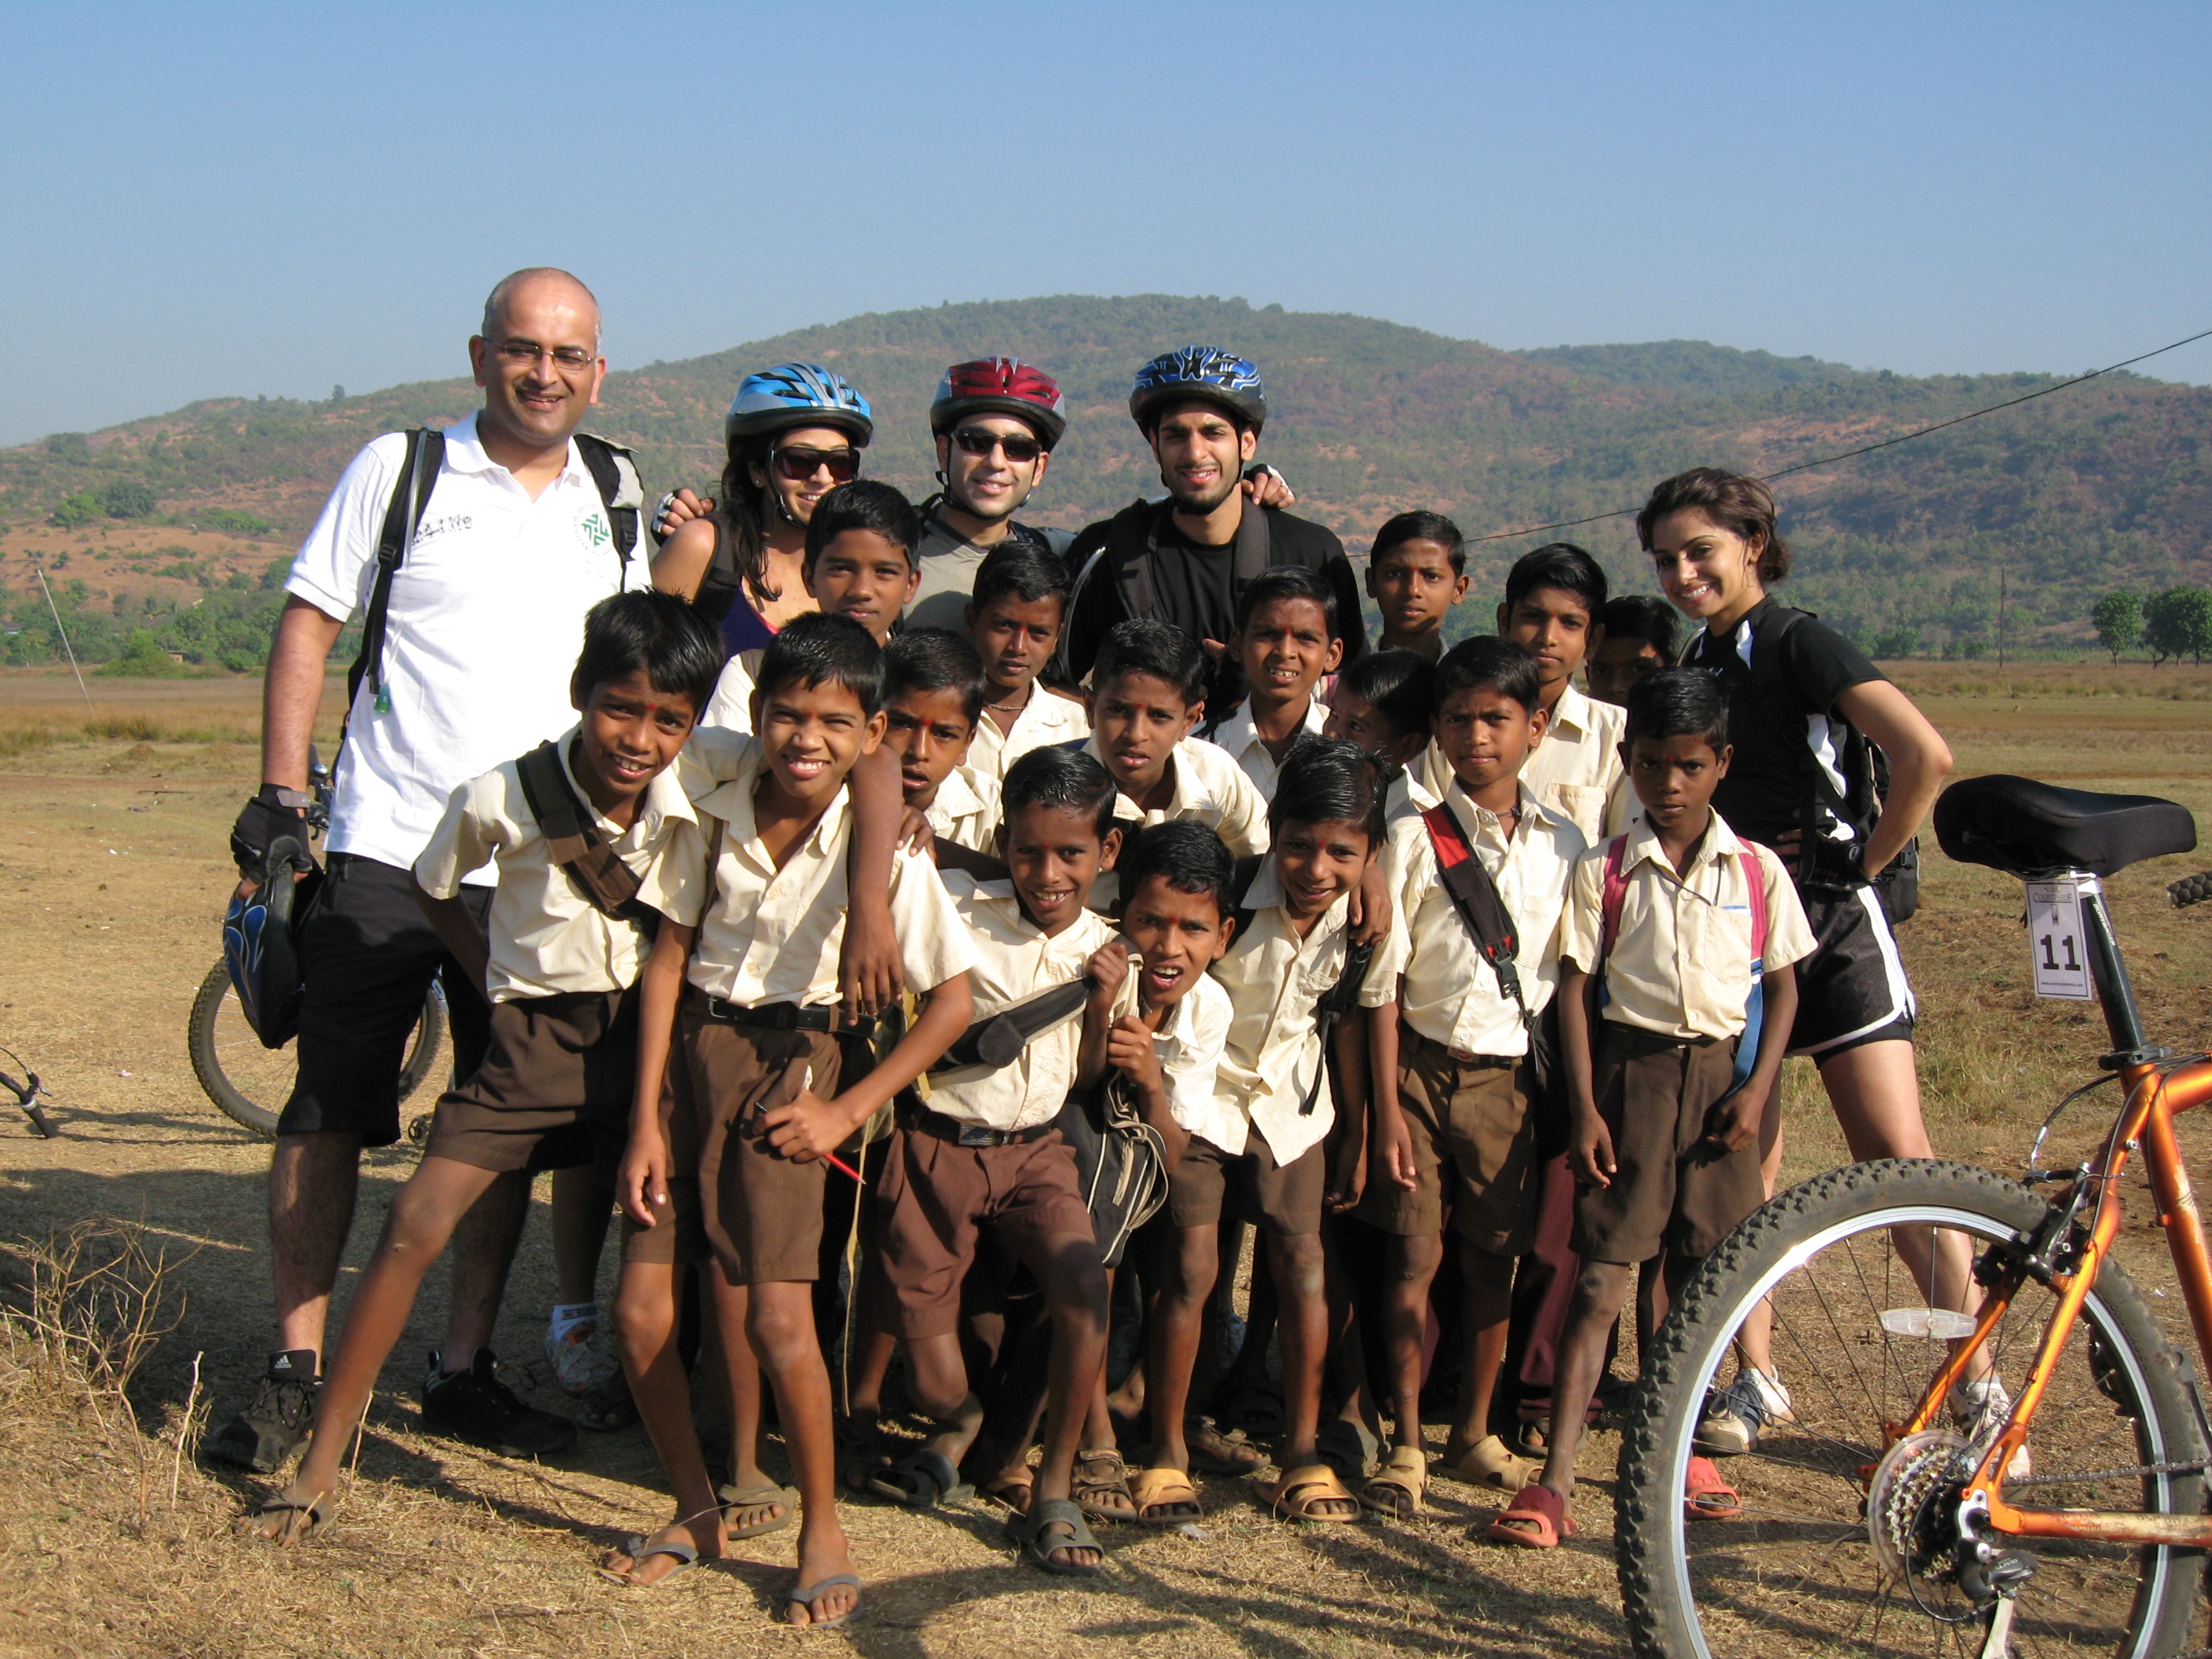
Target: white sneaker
{"type": "Point", "coordinates": [1737, 1415]}
{"type": "Point", "coordinates": [1979, 1409]}
{"type": "Point", "coordinates": [573, 1352]}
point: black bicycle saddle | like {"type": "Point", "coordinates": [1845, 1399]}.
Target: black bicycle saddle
{"type": "Point", "coordinates": [2029, 829]}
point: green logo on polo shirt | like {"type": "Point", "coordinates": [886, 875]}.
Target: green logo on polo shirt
{"type": "Point", "coordinates": [592, 528]}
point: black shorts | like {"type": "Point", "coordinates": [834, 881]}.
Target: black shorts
{"type": "Point", "coordinates": [1851, 990]}
{"type": "Point", "coordinates": [368, 957]}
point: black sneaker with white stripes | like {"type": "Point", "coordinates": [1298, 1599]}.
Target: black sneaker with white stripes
{"type": "Point", "coordinates": [475, 1405]}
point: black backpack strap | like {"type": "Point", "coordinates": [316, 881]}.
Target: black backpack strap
{"type": "Point", "coordinates": [1338, 1002]}
{"type": "Point", "coordinates": [1242, 876]}
{"type": "Point", "coordinates": [571, 839]}
{"type": "Point", "coordinates": [418, 476]}
{"type": "Point", "coordinates": [1254, 550]}
{"type": "Point", "coordinates": [1476, 896]}
{"type": "Point", "coordinates": [614, 470]}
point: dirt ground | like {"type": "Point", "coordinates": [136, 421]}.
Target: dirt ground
{"type": "Point", "coordinates": [112, 862]}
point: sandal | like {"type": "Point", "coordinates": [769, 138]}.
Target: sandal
{"type": "Point", "coordinates": [1164, 1498]}
{"type": "Point", "coordinates": [1100, 1475]}
{"type": "Point", "coordinates": [1010, 1489]}
{"type": "Point", "coordinates": [1536, 1519]}
{"type": "Point", "coordinates": [1489, 1462]}
{"type": "Point", "coordinates": [1255, 1408]}
{"type": "Point", "coordinates": [805, 1595]}
{"type": "Point", "coordinates": [1052, 1514]}
{"type": "Point", "coordinates": [1213, 1452]}
{"type": "Point", "coordinates": [921, 1480]}
{"type": "Point", "coordinates": [1706, 1496]}
{"type": "Point", "coordinates": [1300, 1494]}
{"type": "Point", "coordinates": [766, 1496]}
{"type": "Point", "coordinates": [606, 1406]}
{"type": "Point", "coordinates": [1398, 1488]}
{"type": "Point", "coordinates": [861, 1454]}
{"type": "Point", "coordinates": [1348, 1447]}
{"type": "Point", "coordinates": [640, 1549]}
{"type": "Point", "coordinates": [1533, 1439]}
{"type": "Point", "coordinates": [317, 1514]}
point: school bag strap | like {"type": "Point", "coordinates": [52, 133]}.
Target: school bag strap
{"type": "Point", "coordinates": [1476, 896]}
{"type": "Point", "coordinates": [418, 476]}
{"type": "Point", "coordinates": [1342, 996]}
{"type": "Point", "coordinates": [573, 839]}
{"type": "Point", "coordinates": [997, 1039]}
{"type": "Point", "coordinates": [613, 469]}
{"type": "Point", "coordinates": [1611, 895]}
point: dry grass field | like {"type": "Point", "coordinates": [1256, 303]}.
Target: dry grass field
{"type": "Point", "coordinates": [113, 866]}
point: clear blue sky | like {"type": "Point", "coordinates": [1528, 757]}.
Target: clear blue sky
{"type": "Point", "coordinates": [234, 199]}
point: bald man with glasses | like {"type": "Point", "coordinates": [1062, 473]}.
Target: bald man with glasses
{"type": "Point", "coordinates": [516, 538]}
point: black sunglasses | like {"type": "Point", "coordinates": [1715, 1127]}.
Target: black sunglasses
{"type": "Point", "coordinates": [797, 463]}
{"type": "Point", "coordinates": [975, 440]}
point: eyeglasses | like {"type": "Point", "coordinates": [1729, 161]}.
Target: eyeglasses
{"type": "Point", "coordinates": [797, 464]}
{"type": "Point", "coordinates": [975, 440]}
{"type": "Point", "coordinates": [529, 353]}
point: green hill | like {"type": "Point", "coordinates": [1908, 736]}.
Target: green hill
{"type": "Point", "coordinates": [2099, 486]}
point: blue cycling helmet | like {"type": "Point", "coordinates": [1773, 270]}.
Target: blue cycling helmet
{"type": "Point", "coordinates": [797, 394]}
{"type": "Point", "coordinates": [1197, 371]}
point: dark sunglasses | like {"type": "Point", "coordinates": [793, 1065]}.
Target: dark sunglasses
{"type": "Point", "coordinates": [797, 463]}
{"type": "Point", "coordinates": [974, 440]}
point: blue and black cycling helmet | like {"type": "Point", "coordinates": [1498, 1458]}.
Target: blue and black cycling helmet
{"type": "Point", "coordinates": [797, 394]}
{"type": "Point", "coordinates": [1197, 371]}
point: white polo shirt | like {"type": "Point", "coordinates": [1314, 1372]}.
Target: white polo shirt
{"type": "Point", "coordinates": [486, 621]}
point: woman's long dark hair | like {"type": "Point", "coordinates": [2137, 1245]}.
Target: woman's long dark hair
{"type": "Point", "coordinates": [741, 514]}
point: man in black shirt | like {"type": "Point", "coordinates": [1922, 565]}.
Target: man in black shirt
{"type": "Point", "coordinates": [1187, 560]}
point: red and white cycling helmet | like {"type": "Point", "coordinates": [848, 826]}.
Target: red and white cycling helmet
{"type": "Point", "coordinates": [1000, 386]}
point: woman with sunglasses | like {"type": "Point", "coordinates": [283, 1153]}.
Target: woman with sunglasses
{"type": "Point", "coordinates": [794, 433]}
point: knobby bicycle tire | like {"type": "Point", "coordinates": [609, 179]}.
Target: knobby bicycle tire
{"type": "Point", "coordinates": [251, 1092]}
{"type": "Point", "coordinates": [1796, 1572]}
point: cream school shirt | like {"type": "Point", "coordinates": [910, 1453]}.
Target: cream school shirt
{"type": "Point", "coordinates": [546, 937]}
{"type": "Point", "coordinates": [1274, 978]}
{"type": "Point", "coordinates": [773, 935]}
{"type": "Point", "coordinates": [1208, 786]}
{"type": "Point", "coordinates": [1045, 719]}
{"type": "Point", "coordinates": [1014, 961]}
{"type": "Point", "coordinates": [966, 809]}
{"type": "Point", "coordinates": [1681, 965]}
{"type": "Point", "coordinates": [1450, 996]}
{"type": "Point", "coordinates": [1239, 739]}
{"type": "Point", "coordinates": [1189, 1044]}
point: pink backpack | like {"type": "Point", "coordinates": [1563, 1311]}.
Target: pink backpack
{"type": "Point", "coordinates": [1609, 902]}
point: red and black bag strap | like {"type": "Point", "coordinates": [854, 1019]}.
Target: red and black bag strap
{"type": "Point", "coordinates": [1476, 896]}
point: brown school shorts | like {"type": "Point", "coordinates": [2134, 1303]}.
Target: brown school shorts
{"type": "Point", "coordinates": [762, 1213]}
{"type": "Point", "coordinates": [935, 1197]}
{"type": "Point", "coordinates": [1473, 1116]}
{"type": "Point", "coordinates": [554, 1089]}
{"type": "Point", "coordinates": [678, 1236]}
{"type": "Point", "coordinates": [1248, 1186]}
{"type": "Point", "coordinates": [1670, 1191]}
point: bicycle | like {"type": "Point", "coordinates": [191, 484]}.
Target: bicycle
{"type": "Point", "coordinates": [1903, 1501]}
{"type": "Point", "coordinates": [239, 1075]}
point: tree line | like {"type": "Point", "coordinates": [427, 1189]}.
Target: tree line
{"type": "Point", "coordinates": [2174, 623]}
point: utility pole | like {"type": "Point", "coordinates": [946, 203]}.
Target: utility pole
{"type": "Point", "coordinates": [2001, 615]}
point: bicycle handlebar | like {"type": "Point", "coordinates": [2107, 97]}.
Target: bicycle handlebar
{"type": "Point", "coordinates": [2191, 890]}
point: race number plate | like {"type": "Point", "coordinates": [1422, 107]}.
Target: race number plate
{"type": "Point", "coordinates": [2056, 940]}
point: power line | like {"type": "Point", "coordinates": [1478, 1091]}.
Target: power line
{"type": "Point", "coordinates": [1869, 449]}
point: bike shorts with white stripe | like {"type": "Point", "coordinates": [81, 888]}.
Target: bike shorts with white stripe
{"type": "Point", "coordinates": [1852, 989]}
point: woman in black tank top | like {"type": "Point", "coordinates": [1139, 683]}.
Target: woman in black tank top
{"type": "Point", "coordinates": [1804, 703]}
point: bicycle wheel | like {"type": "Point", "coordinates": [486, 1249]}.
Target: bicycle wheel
{"type": "Point", "coordinates": [1799, 1571]}
{"type": "Point", "coordinates": [250, 1083]}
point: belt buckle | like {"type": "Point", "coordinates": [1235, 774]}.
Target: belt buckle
{"type": "Point", "coordinates": [974, 1134]}
{"type": "Point", "coordinates": [1464, 1056]}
